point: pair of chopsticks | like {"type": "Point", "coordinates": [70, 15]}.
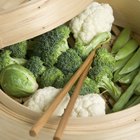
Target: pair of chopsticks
{"type": "Point", "coordinates": [82, 71]}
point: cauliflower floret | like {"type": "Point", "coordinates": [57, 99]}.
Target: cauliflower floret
{"type": "Point", "coordinates": [97, 18]}
{"type": "Point", "coordinates": [41, 100]}
{"type": "Point", "coordinates": [88, 106]}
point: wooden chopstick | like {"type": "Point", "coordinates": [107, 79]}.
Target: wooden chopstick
{"type": "Point", "coordinates": [66, 115]}
{"type": "Point", "coordinates": [45, 117]}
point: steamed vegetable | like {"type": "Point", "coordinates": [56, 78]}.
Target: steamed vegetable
{"type": "Point", "coordinates": [18, 81]}
{"type": "Point", "coordinates": [51, 45]}
{"type": "Point", "coordinates": [102, 72]}
{"type": "Point", "coordinates": [69, 61]}
{"type": "Point", "coordinates": [84, 50]}
{"type": "Point", "coordinates": [122, 39]}
{"type": "Point", "coordinates": [50, 76]}
{"type": "Point", "coordinates": [18, 50]}
{"type": "Point", "coordinates": [127, 49]}
{"type": "Point", "coordinates": [132, 64]}
{"type": "Point", "coordinates": [6, 59]}
{"type": "Point", "coordinates": [127, 94]}
{"type": "Point", "coordinates": [96, 19]}
{"type": "Point", "coordinates": [137, 90]}
{"type": "Point", "coordinates": [35, 65]}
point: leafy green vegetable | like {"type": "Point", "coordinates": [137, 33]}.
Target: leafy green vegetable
{"type": "Point", "coordinates": [17, 81]}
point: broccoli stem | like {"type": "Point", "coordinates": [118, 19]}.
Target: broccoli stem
{"type": "Point", "coordinates": [111, 88]}
{"type": "Point", "coordinates": [20, 61]}
{"type": "Point", "coordinates": [98, 40]}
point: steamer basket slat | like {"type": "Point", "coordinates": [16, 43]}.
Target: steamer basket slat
{"type": "Point", "coordinates": [16, 120]}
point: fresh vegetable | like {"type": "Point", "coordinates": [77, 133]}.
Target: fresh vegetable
{"type": "Point", "coordinates": [17, 81]}
{"type": "Point", "coordinates": [117, 76]}
{"type": "Point", "coordinates": [88, 106]}
{"type": "Point", "coordinates": [128, 78]}
{"type": "Point", "coordinates": [18, 50]}
{"type": "Point", "coordinates": [84, 50]}
{"type": "Point", "coordinates": [42, 99]}
{"type": "Point", "coordinates": [127, 94]}
{"type": "Point", "coordinates": [97, 18]}
{"type": "Point", "coordinates": [102, 73]}
{"type": "Point", "coordinates": [120, 63]}
{"type": "Point", "coordinates": [49, 77]}
{"type": "Point", "coordinates": [6, 59]}
{"type": "Point", "coordinates": [132, 64]}
{"type": "Point", "coordinates": [89, 86]}
{"type": "Point", "coordinates": [137, 90]}
{"type": "Point", "coordinates": [122, 39]}
{"type": "Point", "coordinates": [127, 49]}
{"type": "Point", "coordinates": [51, 45]}
{"type": "Point", "coordinates": [69, 61]}
{"type": "Point", "coordinates": [35, 65]}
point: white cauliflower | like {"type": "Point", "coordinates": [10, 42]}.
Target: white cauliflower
{"type": "Point", "coordinates": [89, 105]}
{"type": "Point", "coordinates": [85, 106]}
{"type": "Point", "coordinates": [97, 18]}
{"type": "Point", "coordinates": [42, 98]}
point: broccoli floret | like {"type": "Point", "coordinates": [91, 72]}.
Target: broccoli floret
{"type": "Point", "coordinates": [18, 50]}
{"type": "Point", "coordinates": [35, 65]}
{"type": "Point", "coordinates": [83, 50]}
{"type": "Point", "coordinates": [6, 59]}
{"type": "Point", "coordinates": [102, 72]}
{"type": "Point", "coordinates": [104, 58]}
{"type": "Point", "coordinates": [69, 61]}
{"type": "Point", "coordinates": [49, 77]}
{"type": "Point", "coordinates": [89, 87]}
{"type": "Point", "coordinates": [51, 45]}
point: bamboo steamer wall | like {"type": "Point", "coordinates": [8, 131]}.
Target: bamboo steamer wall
{"type": "Point", "coordinates": [16, 120]}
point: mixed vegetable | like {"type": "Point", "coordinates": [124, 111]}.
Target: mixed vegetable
{"type": "Point", "coordinates": [37, 69]}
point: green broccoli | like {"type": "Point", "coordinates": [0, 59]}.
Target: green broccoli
{"type": "Point", "coordinates": [69, 61]}
{"type": "Point", "coordinates": [51, 45]}
{"type": "Point", "coordinates": [6, 59]}
{"type": "Point", "coordinates": [104, 58]}
{"type": "Point", "coordinates": [49, 77]}
{"type": "Point", "coordinates": [35, 65]}
{"type": "Point", "coordinates": [102, 73]}
{"type": "Point", "coordinates": [18, 50]}
{"type": "Point", "coordinates": [89, 87]}
{"type": "Point", "coordinates": [83, 50]}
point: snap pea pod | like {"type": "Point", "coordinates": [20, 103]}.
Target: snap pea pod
{"type": "Point", "coordinates": [137, 90]}
{"type": "Point", "coordinates": [135, 102]}
{"type": "Point", "coordinates": [119, 105]}
{"type": "Point", "coordinates": [127, 49]}
{"type": "Point", "coordinates": [132, 99]}
{"type": "Point", "coordinates": [128, 78]}
{"type": "Point", "coordinates": [120, 63]}
{"type": "Point", "coordinates": [132, 64]}
{"type": "Point", "coordinates": [117, 76]}
{"type": "Point", "coordinates": [121, 40]}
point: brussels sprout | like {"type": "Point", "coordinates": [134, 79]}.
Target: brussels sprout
{"type": "Point", "coordinates": [17, 81]}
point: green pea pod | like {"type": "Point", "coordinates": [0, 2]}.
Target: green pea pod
{"type": "Point", "coordinates": [128, 78]}
{"type": "Point", "coordinates": [132, 99]}
{"type": "Point", "coordinates": [117, 76]}
{"type": "Point", "coordinates": [121, 40]}
{"type": "Point", "coordinates": [132, 64]}
{"type": "Point", "coordinates": [137, 90]}
{"type": "Point", "coordinates": [136, 101]}
{"type": "Point", "coordinates": [120, 63]}
{"type": "Point", "coordinates": [119, 105]}
{"type": "Point", "coordinates": [127, 49]}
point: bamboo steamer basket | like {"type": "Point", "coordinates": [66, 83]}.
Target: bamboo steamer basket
{"type": "Point", "coordinates": [16, 120]}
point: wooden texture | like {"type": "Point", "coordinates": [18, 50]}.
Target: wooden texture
{"type": "Point", "coordinates": [47, 114]}
{"type": "Point", "coordinates": [16, 120]}
{"type": "Point", "coordinates": [35, 17]}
